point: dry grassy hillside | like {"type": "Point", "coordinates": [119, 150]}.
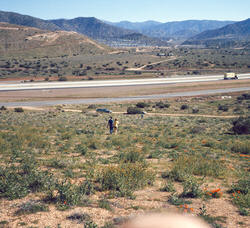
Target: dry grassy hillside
{"type": "Point", "coordinates": [27, 41]}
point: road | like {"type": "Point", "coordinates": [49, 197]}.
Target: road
{"type": "Point", "coordinates": [122, 99]}
{"type": "Point", "coordinates": [110, 83]}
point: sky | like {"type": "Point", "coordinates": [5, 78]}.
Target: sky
{"type": "Point", "coordinates": [132, 10]}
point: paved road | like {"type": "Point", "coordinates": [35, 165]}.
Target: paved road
{"type": "Point", "coordinates": [106, 83]}
{"type": "Point", "coordinates": [122, 99]}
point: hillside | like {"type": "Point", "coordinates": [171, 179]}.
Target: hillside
{"type": "Point", "coordinates": [230, 35]}
{"type": "Point", "coordinates": [28, 41]}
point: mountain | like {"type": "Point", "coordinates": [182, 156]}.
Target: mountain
{"type": "Point", "coordinates": [136, 26]}
{"type": "Point", "coordinates": [89, 26]}
{"type": "Point", "coordinates": [232, 34]}
{"type": "Point", "coordinates": [183, 29]}
{"type": "Point", "coordinates": [27, 41]}
{"type": "Point", "coordinates": [24, 20]}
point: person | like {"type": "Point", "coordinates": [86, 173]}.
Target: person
{"type": "Point", "coordinates": [116, 123]}
{"type": "Point", "coordinates": [110, 125]}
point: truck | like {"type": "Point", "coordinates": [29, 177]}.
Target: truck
{"type": "Point", "coordinates": [230, 76]}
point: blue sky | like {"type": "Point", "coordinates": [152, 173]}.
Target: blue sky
{"type": "Point", "coordinates": [132, 10]}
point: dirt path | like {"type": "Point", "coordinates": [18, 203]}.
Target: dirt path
{"type": "Point", "coordinates": [148, 114]}
{"type": "Point", "coordinates": [151, 64]}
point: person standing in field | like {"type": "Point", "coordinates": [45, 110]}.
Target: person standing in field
{"type": "Point", "coordinates": [116, 123]}
{"type": "Point", "coordinates": [110, 125]}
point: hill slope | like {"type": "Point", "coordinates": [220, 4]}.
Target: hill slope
{"type": "Point", "coordinates": [28, 41]}
{"type": "Point", "coordinates": [233, 35]}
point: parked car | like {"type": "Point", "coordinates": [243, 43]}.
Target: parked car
{"type": "Point", "coordinates": [103, 110]}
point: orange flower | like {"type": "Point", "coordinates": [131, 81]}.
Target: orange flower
{"type": "Point", "coordinates": [216, 190]}
{"type": "Point", "coordinates": [233, 194]}
{"type": "Point", "coordinates": [191, 209]}
{"type": "Point", "coordinates": [238, 192]}
{"type": "Point", "coordinates": [185, 205]}
{"type": "Point", "coordinates": [185, 210]}
{"type": "Point", "coordinates": [65, 202]}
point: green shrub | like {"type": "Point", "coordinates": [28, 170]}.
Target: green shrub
{"type": "Point", "coordinates": [142, 105]}
{"type": "Point", "coordinates": [169, 187]}
{"type": "Point", "coordinates": [176, 200]}
{"type": "Point", "coordinates": [62, 79]}
{"type": "Point", "coordinates": [82, 149]}
{"type": "Point", "coordinates": [191, 188]}
{"type": "Point", "coordinates": [197, 165]}
{"type": "Point", "coordinates": [134, 110]}
{"type": "Point", "coordinates": [241, 125]}
{"type": "Point", "coordinates": [131, 156]}
{"type": "Point", "coordinates": [103, 203]}
{"type": "Point", "coordinates": [125, 178]}
{"type": "Point", "coordinates": [184, 106]}
{"type": "Point", "coordinates": [223, 108]}
{"type": "Point", "coordinates": [18, 109]}
{"type": "Point", "coordinates": [161, 105]}
{"type": "Point", "coordinates": [3, 108]}
{"type": "Point", "coordinates": [241, 147]}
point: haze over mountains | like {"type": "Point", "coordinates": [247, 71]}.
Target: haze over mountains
{"type": "Point", "coordinates": [141, 33]}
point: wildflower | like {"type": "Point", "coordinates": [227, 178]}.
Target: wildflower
{"type": "Point", "coordinates": [64, 202]}
{"type": "Point", "coordinates": [191, 209]}
{"type": "Point", "coordinates": [238, 192]}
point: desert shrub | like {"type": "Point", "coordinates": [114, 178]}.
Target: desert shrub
{"type": "Point", "coordinates": [191, 188]}
{"type": "Point", "coordinates": [62, 79]}
{"type": "Point", "coordinates": [105, 204]}
{"type": "Point", "coordinates": [176, 200]}
{"type": "Point", "coordinates": [197, 129]}
{"type": "Point", "coordinates": [133, 110]}
{"type": "Point", "coordinates": [79, 217]}
{"type": "Point", "coordinates": [242, 186]}
{"type": "Point", "coordinates": [18, 109]}
{"type": "Point", "coordinates": [168, 187]}
{"type": "Point", "coordinates": [195, 110]}
{"type": "Point", "coordinates": [184, 107]}
{"type": "Point", "coordinates": [241, 147]}
{"type": "Point", "coordinates": [87, 187]}
{"type": "Point", "coordinates": [223, 108]}
{"type": "Point", "coordinates": [31, 207]}
{"type": "Point", "coordinates": [125, 178]}
{"type": "Point", "coordinates": [17, 182]}
{"type": "Point", "coordinates": [131, 156]}
{"type": "Point", "coordinates": [244, 96]}
{"type": "Point", "coordinates": [3, 108]}
{"type": "Point", "coordinates": [160, 104]}
{"type": "Point", "coordinates": [92, 106]}
{"type": "Point", "coordinates": [68, 194]}
{"type": "Point", "coordinates": [196, 165]}
{"type": "Point", "coordinates": [82, 149]}
{"type": "Point", "coordinates": [241, 125]}
{"type": "Point", "coordinates": [142, 105]}
{"type": "Point", "coordinates": [90, 224]}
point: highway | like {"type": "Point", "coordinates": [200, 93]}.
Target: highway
{"type": "Point", "coordinates": [121, 99]}
{"type": "Point", "coordinates": [109, 83]}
